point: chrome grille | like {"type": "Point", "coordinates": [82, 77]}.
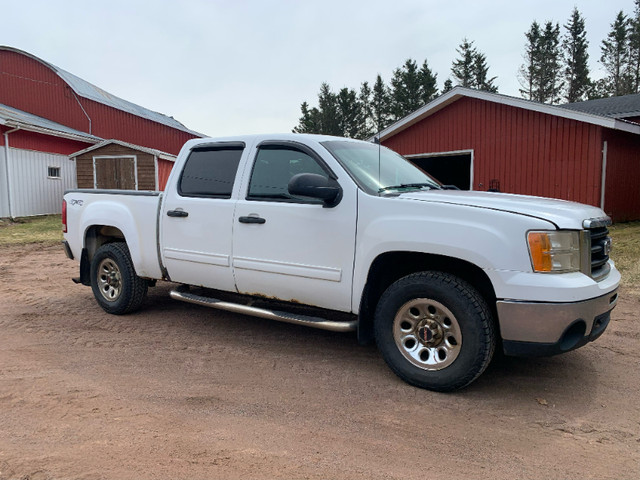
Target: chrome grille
{"type": "Point", "coordinates": [600, 245]}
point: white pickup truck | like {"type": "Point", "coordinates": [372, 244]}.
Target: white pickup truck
{"type": "Point", "coordinates": [346, 235]}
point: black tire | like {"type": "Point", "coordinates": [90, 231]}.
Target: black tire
{"type": "Point", "coordinates": [435, 331]}
{"type": "Point", "coordinates": [114, 282]}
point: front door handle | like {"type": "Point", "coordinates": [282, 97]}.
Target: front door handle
{"type": "Point", "coordinates": [177, 213]}
{"type": "Point", "coordinates": [251, 219]}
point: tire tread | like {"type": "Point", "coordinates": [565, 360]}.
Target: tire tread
{"type": "Point", "coordinates": [478, 305]}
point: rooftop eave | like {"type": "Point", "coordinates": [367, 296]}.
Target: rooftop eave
{"type": "Point", "coordinates": [459, 92]}
{"type": "Point", "coordinates": [102, 143]}
{"type": "Point", "coordinates": [49, 131]}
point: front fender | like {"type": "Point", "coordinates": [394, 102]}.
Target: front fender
{"type": "Point", "coordinates": [488, 239]}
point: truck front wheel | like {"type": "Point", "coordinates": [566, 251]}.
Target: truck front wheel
{"type": "Point", "coordinates": [435, 331]}
{"type": "Point", "coordinates": [114, 282]}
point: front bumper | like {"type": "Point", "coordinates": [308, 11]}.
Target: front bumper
{"type": "Point", "coordinates": [541, 329]}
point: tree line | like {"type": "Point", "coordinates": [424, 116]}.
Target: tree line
{"type": "Point", "coordinates": [555, 70]}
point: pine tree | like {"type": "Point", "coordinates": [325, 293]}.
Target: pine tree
{"type": "Point", "coordinates": [574, 46]}
{"type": "Point", "coordinates": [350, 117]}
{"type": "Point", "coordinates": [471, 70]}
{"type": "Point", "coordinates": [462, 68]}
{"type": "Point", "coordinates": [634, 50]}
{"type": "Point", "coordinates": [615, 57]}
{"type": "Point", "coordinates": [448, 85]}
{"type": "Point", "coordinates": [328, 107]}
{"type": "Point", "coordinates": [309, 121]}
{"type": "Point", "coordinates": [366, 111]}
{"type": "Point", "coordinates": [481, 72]}
{"type": "Point", "coordinates": [380, 105]}
{"type": "Point", "coordinates": [428, 84]}
{"type": "Point", "coordinates": [530, 71]}
{"type": "Point", "coordinates": [551, 75]}
{"type": "Point", "coordinates": [405, 89]}
{"type": "Point", "coordinates": [540, 77]}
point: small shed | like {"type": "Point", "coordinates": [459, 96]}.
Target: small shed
{"type": "Point", "coordinates": [117, 165]}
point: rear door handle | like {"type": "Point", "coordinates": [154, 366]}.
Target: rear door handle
{"type": "Point", "coordinates": [251, 219]}
{"type": "Point", "coordinates": [177, 213]}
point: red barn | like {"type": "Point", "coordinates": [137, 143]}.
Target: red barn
{"type": "Point", "coordinates": [486, 141]}
{"type": "Point", "coordinates": [47, 113]}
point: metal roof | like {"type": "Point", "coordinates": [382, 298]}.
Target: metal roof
{"type": "Point", "coordinates": [616, 107]}
{"type": "Point", "coordinates": [151, 151]}
{"type": "Point", "coordinates": [14, 118]}
{"type": "Point", "coordinates": [460, 92]}
{"type": "Point", "coordinates": [87, 90]}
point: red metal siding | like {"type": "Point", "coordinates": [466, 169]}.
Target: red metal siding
{"type": "Point", "coordinates": [528, 152]}
{"type": "Point", "coordinates": [44, 143]}
{"type": "Point", "coordinates": [622, 189]}
{"type": "Point", "coordinates": [110, 123]}
{"type": "Point", "coordinates": [164, 169]}
{"type": "Point", "coordinates": [29, 85]}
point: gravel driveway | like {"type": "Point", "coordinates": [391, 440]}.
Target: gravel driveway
{"type": "Point", "coordinates": [178, 391]}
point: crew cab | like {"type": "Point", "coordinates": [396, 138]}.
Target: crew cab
{"type": "Point", "coordinates": [347, 235]}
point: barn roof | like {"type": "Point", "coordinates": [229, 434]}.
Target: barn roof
{"type": "Point", "coordinates": [458, 93]}
{"type": "Point", "coordinates": [14, 118]}
{"type": "Point", "coordinates": [151, 151]}
{"type": "Point", "coordinates": [617, 107]}
{"type": "Point", "coordinates": [87, 90]}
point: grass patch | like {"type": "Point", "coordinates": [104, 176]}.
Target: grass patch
{"type": "Point", "coordinates": [46, 229]}
{"type": "Point", "coordinates": [626, 251]}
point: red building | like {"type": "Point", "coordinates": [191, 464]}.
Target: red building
{"type": "Point", "coordinates": [47, 113]}
{"type": "Point", "coordinates": [485, 141]}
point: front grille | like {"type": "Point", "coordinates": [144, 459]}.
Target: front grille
{"type": "Point", "coordinates": [600, 247]}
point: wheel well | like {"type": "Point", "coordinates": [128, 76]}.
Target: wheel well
{"type": "Point", "coordinates": [98, 235]}
{"type": "Point", "coordinates": [391, 266]}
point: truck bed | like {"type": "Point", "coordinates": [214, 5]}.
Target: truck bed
{"type": "Point", "coordinates": [134, 213]}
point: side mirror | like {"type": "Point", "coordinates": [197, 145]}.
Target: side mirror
{"type": "Point", "coordinates": [312, 185]}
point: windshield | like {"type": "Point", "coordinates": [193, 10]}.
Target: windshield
{"type": "Point", "coordinates": [377, 169]}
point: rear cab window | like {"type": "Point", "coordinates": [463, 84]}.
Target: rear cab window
{"type": "Point", "coordinates": [210, 171]}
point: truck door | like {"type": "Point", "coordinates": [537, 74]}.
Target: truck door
{"type": "Point", "coordinates": [290, 248]}
{"type": "Point", "coordinates": [197, 217]}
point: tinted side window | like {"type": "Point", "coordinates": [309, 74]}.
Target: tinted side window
{"type": "Point", "coordinates": [274, 167]}
{"type": "Point", "coordinates": [210, 172]}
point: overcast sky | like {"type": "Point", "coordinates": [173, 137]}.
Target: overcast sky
{"type": "Point", "coordinates": [234, 67]}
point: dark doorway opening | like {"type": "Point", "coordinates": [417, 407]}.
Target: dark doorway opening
{"type": "Point", "coordinates": [447, 169]}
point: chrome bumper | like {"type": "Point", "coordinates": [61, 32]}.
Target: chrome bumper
{"type": "Point", "coordinates": [535, 328]}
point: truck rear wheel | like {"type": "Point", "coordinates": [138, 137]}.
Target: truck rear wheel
{"type": "Point", "coordinates": [434, 331]}
{"type": "Point", "coordinates": [114, 282]}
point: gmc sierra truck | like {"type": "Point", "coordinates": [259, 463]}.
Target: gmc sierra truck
{"type": "Point", "coordinates": [347, 235]}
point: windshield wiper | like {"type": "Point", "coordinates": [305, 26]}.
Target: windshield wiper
{"type": "Point", "coordinates": [407, 185]}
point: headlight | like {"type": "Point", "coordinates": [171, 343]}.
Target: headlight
{"type": "Point", "coordinates": [554, 252]}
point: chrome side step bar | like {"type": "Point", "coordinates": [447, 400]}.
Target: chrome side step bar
{"type": "Point", "coordinates": [315, 322]}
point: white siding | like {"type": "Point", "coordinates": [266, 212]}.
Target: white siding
{"type": "Point", "coordinates": [32, 192]}
{"type": "Point", "coordinates": [4, 199]}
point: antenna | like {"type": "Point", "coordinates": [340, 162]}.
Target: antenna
{"type": "Point", "coordinates": [376, 139]}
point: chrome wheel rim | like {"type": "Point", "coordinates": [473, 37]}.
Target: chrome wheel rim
{"type": "Point", "coordinates": [109, 280]}
{"type": "Point", "coordinates": [427, 334]}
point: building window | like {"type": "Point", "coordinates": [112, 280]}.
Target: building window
{"type": "Point", "coordinates": [53, 172]}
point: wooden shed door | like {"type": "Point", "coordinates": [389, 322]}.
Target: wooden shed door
{"type": "Point", "coordinates": [115, 173]}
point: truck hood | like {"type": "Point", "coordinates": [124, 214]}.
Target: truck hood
{"type": "Point", "coordinates": [562, 213]}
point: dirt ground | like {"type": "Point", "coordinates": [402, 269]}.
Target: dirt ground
{"type": "Point", "coordinates": [178, 391]}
